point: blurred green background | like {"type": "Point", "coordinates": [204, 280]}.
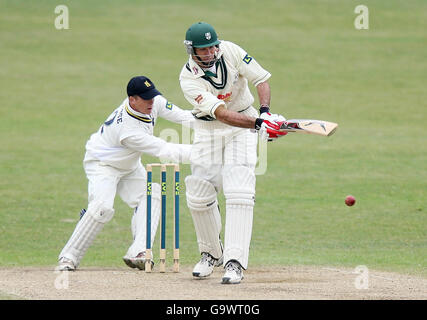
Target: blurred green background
{"type": "Point", "coordinates": [58, 86]}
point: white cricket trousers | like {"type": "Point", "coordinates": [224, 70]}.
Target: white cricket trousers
{"type": "Point", "coordinates": [106, 181]}
{"type": "Point", "coordinates": [226, 157]}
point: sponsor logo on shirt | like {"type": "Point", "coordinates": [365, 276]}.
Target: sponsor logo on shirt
{"type": "Point", "coordinates": [247, 59]}
{"type": "Point", "coordinates": [225, 97]}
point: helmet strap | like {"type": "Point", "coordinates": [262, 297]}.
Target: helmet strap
{"type": "Point", "coordinates": [206, 64]}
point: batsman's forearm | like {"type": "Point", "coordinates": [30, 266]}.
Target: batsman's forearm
{"type": "Point", "coordinates": [264, 93]}
{"type": "Point", "coordinates": [234, 118]}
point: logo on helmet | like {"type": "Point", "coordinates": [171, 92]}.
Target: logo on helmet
{"type": "Point", "coordinates": [208, 35]}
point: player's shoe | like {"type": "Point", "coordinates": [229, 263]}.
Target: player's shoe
{"type": "Point", "coordinates": [205, 266]}
{"type": "Point", "coordinates": [233, 273]}
{"type": "Point", "coordinates": [137, 262]}
{"type": "Point", "coordinates": [128, 260]}
{"type": "Point", "coordinates": [66, 264]}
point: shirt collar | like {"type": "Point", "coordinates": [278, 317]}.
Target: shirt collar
{"type": "Point", "coordinates": [195, 68]}
{"type": "Point", "coordinates": [135, 114]}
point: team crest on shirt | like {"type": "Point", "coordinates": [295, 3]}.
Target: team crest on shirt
{"type": "Point", "coordinates": [208, 35]}
{"type": "Point", "coordinates": [169, 105]}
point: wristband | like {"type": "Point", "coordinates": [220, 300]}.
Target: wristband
{"type": "Point", "coordinates": [264, 108]}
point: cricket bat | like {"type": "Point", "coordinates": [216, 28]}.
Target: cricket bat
{"type": "Point", "coordinates": [319, 127]}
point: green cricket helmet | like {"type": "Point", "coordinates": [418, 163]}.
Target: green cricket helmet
{"type": "Point", "coordinates": [200, 35]}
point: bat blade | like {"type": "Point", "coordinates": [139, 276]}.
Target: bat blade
{"type": "Point", "coordinates": [319, 127]}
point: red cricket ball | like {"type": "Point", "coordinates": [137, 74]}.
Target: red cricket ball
{"type": "Point", "coordinates": [350, 200]}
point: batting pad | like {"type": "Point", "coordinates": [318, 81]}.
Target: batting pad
{"type": "Point", "coordinates": [139, 221]}
{"type": "Point", "coordinates": [86, 230]}
{"type": "Point", "coordinates": [239, 191]}
{"type": "Point", "coordinates": [202, 202]}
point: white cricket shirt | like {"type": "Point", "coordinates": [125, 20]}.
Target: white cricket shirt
{"type": "Point", "coordinates": [228, 87]}
{"type": "Point", "coordinates": [127, 134]}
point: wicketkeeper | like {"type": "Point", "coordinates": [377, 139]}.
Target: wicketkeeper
{"type": "Point", "coordinates": [113, 166]}
{"type": "Point", "coordinates": [215, 81]}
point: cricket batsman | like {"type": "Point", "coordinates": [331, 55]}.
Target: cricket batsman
{"type": "Point", "coordinates": [113, 166]}
{"type": "Point", "coordinates": [215, 81]}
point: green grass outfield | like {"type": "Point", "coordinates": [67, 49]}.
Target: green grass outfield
{"type": "Point", "coordinates": [58, 86]}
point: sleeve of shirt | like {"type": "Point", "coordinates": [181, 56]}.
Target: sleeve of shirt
{"type": "Point", "coordinates": [204, 102]}
{"type": "Point", "coordinates": [173, 113]}
{"type": "Point", "coordinates": [248, 66]}
{"type": "Point", "coordinates": [157, 147]}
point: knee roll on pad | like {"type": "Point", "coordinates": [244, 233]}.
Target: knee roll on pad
{"type": "Point", "coordinates": [99, 212]}
{"type": "Point", "coordinates": [239, 185]}
{"type": "Point", "coordinates": [200, 194]}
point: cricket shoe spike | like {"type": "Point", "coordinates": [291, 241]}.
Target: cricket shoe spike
{"type": "Point", "coordinates": [66, 264]}
{"type": "Point", "coordinates": [233, 273]}
{"type": "Point", "coordinates": [205, 266]}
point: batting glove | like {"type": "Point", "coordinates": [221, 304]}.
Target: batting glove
{"type": "Point", "coordinates": [272, 117]}
{"type": "Point", "coordinates": [269, 130]}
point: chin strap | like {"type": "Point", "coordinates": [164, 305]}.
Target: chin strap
{"type": "Point", "coordinates": [209, 64]}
